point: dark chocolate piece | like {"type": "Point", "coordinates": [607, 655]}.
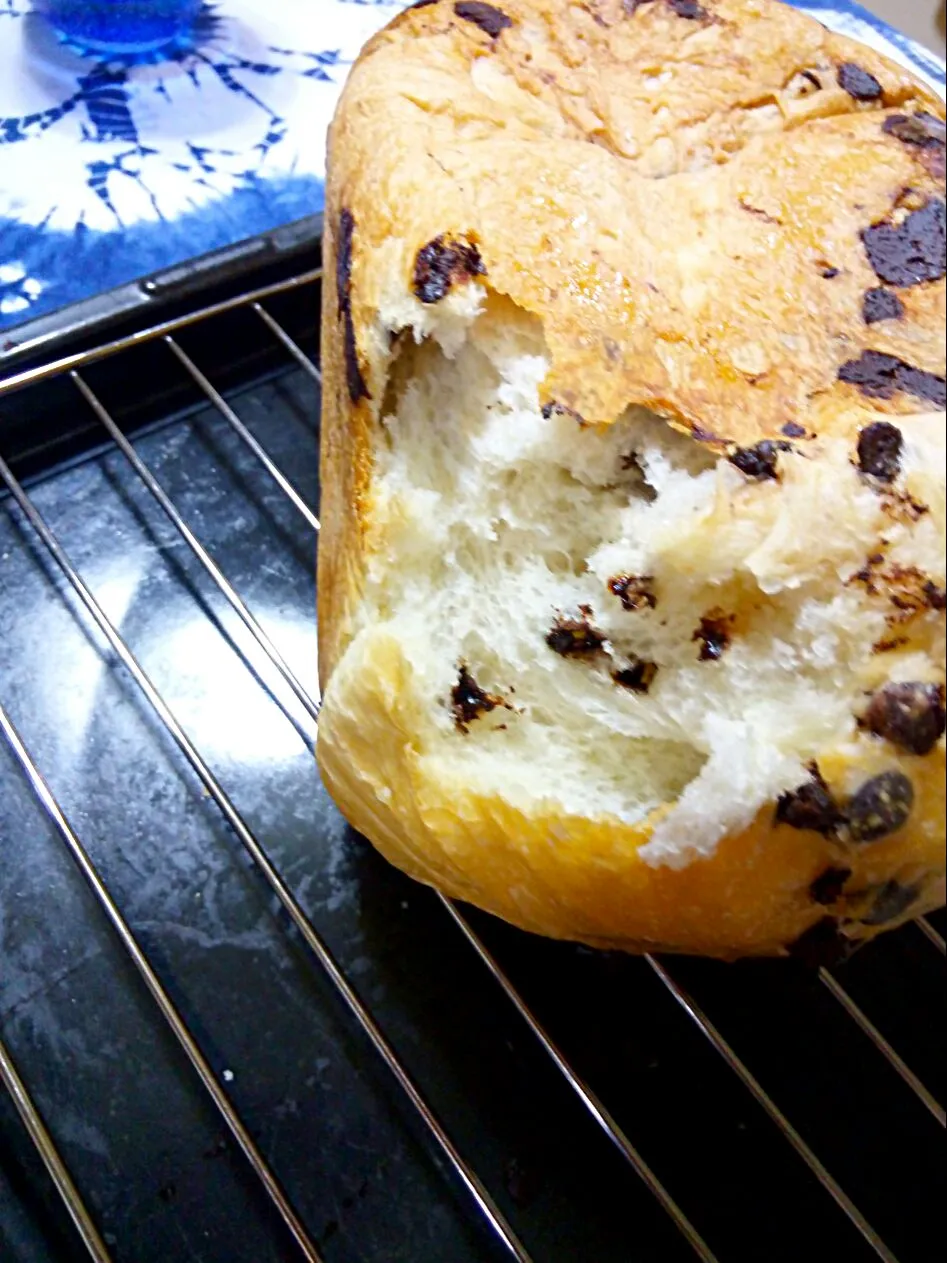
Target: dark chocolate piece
{"type": "Point", "coordinates": [343, 259]}
{"type": "Point", "coordinates": [793, 431]}
{"type": "Point", "coordinates": [891, 902]}
{"type": "Point", "coordinates": [858, 83]}
{"type": "Point", "coordinates": [879, 450]}
{"type": "Point", "coordinates": [490, 20]}
{"type": "Point", "coordinates": [343, 285]}
{"type": "Point", "coordinates": [575, 637]}
{"type": "Point", "coordinates": [921, 129]}
{"type": "Point", "coordinates": [881, 376]}
{"type": "Point", "coordinates": [810, 807]}
{"type": "Point", "coordinates": [440, 263]}
{"type": "Point", "coordinates": [822, 945]}
{"type": "Point", "coordinates": [935, 597]}
{"type": "Point", "coordinates": [759, 461]}
{"type": "Point", "coordinates": [911, 252]}
{"type": "Point", "coordinates": [828, 272]}
{"type": "Point", "coordinates": [638, 677]}
{"type": "Point", "coordinates": [713, 635]}
{"type": "Point", "coordinates": [556, 409]}
{"type": "Point", "coordinates": [633, 591]}
{"type": "Point", "coordinates": [881, 304]}
{"type": "Point", "coordinates": [910, 715]}
{"type": "Point", "coordinates": [881, 807]}
{"type": "Point", "coordinates": [688, 9]}
{"type": "Point", "coordinates": [353, 370]}
{"type": "Point", "coordinates": [827, 887]}
{"type": "Point", "coordinates": [469, 700]}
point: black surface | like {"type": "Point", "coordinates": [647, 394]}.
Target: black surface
{"type": "Point", "coordinates": [146, 1146]}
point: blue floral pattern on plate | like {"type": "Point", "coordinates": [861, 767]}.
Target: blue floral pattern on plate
{"type": "Point", "coordinates": [110, 172]}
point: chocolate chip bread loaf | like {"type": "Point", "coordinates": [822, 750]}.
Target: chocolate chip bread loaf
{"type": "Point", "coordinates": [632, 572]}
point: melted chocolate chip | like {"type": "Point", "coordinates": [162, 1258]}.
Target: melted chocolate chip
{"type": "Point", "coordinates": [828, 272]}
{"type": "Point", "coordinates": [858, 83]}
{"type": "Point", "coordinates": [575, 637]}
{"type": "Point", "coordinates": [881, 376]}
{"type": "Point", "coordinates": [353, 370]}
{"type": "Point", "coordinates": [822, 945]}
{"type": "Point", "coordinates": [879, 450]}
{"type": "Point", "coordinates": [555, 409]}
{"type": "Point", "coordinates": [827, 887]}
{"type": "Point", "coordinates": [440, 263]}
{"type": "Point", "coordinates": [343, 285]}
{"type": "Point", "coordinates": [759, 461]}
{"type": "Point", "coordinates": [688, 9]}
{"type": "Point", "coordinates": [910, 715]}
{"type": "Point", "coordinates": [881, 807]}
{"type": "Point", "coordinates": [811, 807]}
{"type": "Point", "coordinates": [934, 597]}
{"type": "Point", "coordinates": [633, 591]}
{"type": "Point", "coordinates": [343, 259]}
{"type": "Point", "coordinates": [713, 635]}
{"type": "Point", "coordinates": [490, 20]}
{"type": "Point", "coordinates": [921, 129]}
{"type": "Point", "coordinates": [881, 304]}
{"type": "Point", "coordinates": [911, 252]}
{"type": "Point", "coordinates": [891, 902]}
{"type": "Point", "coordinates": [469, 700]}
{"type": "Point", "coordinates": [793, 431]}
{"type": "Point", "coordinates": [638, 677]}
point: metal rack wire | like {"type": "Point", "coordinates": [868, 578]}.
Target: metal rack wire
{"type": "Point", "coordinates": [482, 1201]}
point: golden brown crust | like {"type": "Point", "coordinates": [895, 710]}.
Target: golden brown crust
{"type": "Point", "coordinates": [681, 201]}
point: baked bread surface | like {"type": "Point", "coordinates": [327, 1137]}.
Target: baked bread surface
{"type": "Point", "coordinates": [631, 577]}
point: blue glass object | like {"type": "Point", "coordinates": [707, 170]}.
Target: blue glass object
{"type": "Point", "coordinates": [121, 27]}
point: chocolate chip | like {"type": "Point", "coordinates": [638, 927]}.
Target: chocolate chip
{"type": "Point", "coordinates": [828, 272]}
{"type": "Point", "coordinates": [891, 902]}
{"type": "Point", "coordinates": [921, 129]}
{"type": "Point", "coordinates": [881, 376]}
{"type": "Point", "coordinates": [634, 591]}
{"type": "Point", "coordinates": [758, 461]}
{"type": "Point", "coordinates": [881, 807]}
{"type": "Point", "coordinates": [556, 409]}
{"type": "Point", "coordinates": [638, 677]}
{"type": "Point", "coordinates": [490, 20]}
{"type": "Point", "coordinates": [705, 436]}
{"type": "Point", "coordinates": [343, 285]}
{"type": "Point", "coordinates": [688, 9]}
{"type": "Point", "coordinates": [469, 701]}
{"type": "Point", "coordinates": [910, 715]}
{"type": "Point", "coordinates": [935, 598]}
{"type": "Point", "coordinates": [822, 945]}
{"type": "Point", "coordinates": [881, 304]}
{"type": "Point", "coordinates": [440, 263]}
{"type": "Point", "coordinates": [792, 430]}
{"type": "Point", "coordinates": [343, 259]}
{"type": "Point", "coordinates": [353, 370]}
{"type": "Point", "coordinates": [714, 635]}
{"type": "Point", "coordinates": [858, 83]}
{"type": "Point", "coordinates": [575, 637]}
{"type": "Point", "coordinates": [421, 4]}
{"type": "Point", "coordinates": [811, 807]}
{"type": "Point", "coordinates": [879, 450]}
{"type": "Point", "coordinates": [911, 252]}
{"type": "Point", "coordinates": [827, 887]}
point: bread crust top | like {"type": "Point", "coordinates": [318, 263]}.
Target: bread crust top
{"type": "Point", "coordinates": [720, 211]}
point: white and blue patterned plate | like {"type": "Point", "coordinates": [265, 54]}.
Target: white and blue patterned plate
{"type": "Point", "coordinates": [109, 174]}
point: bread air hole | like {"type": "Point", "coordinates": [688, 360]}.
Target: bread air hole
{"type": "Point", "coordinates": [493, 519]}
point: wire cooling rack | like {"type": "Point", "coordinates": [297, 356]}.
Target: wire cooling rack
{"type": "Point", "coordinates": [786, 1109]}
